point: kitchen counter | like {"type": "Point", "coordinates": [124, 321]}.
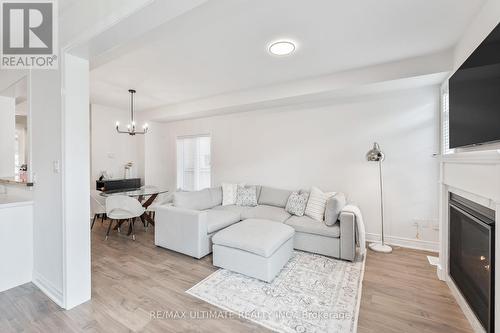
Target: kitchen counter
{"type": "Point", "coordinates": [16, 240]}
{"type": "Point", "coordinates": [15, 181]}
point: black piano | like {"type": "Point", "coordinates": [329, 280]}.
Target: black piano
{"type": "Point", "coordinates": [110, 185]}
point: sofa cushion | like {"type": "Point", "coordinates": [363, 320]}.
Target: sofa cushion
{"type": "Point", "coordinates": [258, 188]}
{"type": "Point", "coordinates": [273, 196]}
{"type": "Point", "coordinates": [197, 200]}
{"type": "Point", "coordinates": [317, 202]}
{"type": "Point", "coordinates": [256, 236]}
{"type": "Point", "coordinates": [334, 206]}
{"type": "Point", "coordinates": [311, 226]}
{"type": "Point", "coordinates": [229, 192]}
{"type": "Point", "coordinates": [218, 219]}
{"type": "Point", "coordinates": [265, 212]}
{"type": "Point", "coordinates": [231, 208]}
{"type": "Point", "coordinates": [296, 204]}
{"type": "Point", "coordinates": [216, 195]}
{"type": "Point", "coordinates": [246, 196]}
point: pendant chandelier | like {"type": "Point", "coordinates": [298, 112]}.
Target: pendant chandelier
{"type": "Point", "coordinates": [131, 126]}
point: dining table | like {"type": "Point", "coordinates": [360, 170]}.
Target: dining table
{"type": "Point", "coordinates": [146, 195]}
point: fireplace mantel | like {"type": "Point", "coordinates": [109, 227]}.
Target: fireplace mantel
{"type": "Point", "coordinates": [475, 176]}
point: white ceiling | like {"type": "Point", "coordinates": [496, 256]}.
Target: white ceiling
{"type": "Point", "coordinates": [221, 46]}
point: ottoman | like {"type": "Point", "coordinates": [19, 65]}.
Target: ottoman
{"type": "Point", "coordinates": [254, 247]}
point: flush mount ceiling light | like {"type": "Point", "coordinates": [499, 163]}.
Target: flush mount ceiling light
{"type": "Point", "coordinates": [282, 48]}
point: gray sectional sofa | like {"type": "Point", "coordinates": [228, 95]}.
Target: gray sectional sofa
{"type": "Point", "coordinates": [188, 225]}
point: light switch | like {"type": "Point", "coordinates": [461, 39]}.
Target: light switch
{"type": "Point", "coordinates": [56, 166]}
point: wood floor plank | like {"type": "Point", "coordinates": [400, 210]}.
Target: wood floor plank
{"type": "Point", "coordinates": [130, 280]}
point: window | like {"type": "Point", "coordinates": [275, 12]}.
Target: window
{"type": "Point", "coordinates": [193, 162]}
{"type": "Point", "coordinates": [445, 122]}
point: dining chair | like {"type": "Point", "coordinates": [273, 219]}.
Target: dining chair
{"type": "Point", "coordinates": [122, 208]}
{"type": "Point", "coordinates": [161, 199]}
{"type": "Point", "coordinates": [97, 207]}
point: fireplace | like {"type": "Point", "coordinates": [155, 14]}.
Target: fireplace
{"type": "Point", "coordinates": [472, 256]}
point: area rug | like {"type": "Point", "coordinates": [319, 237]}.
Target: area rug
{"type": "Point", "coordinates": [312, 293]}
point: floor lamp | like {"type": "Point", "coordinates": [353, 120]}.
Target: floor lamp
{"type": "Point", "coordinates": [376, 155]}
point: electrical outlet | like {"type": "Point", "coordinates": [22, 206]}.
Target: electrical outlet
{"type": "Point", "coordinates": [425, 222]}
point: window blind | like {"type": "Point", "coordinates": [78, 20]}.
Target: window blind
{"type": "Point", "coordinates": [445, 123]}
{"type": "Point", "coordinates": [193, 162]}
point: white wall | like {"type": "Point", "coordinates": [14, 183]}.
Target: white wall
{"type": "Point", "coordinates": [45, 102]}
{"type": "Point", "coordinates": [7, 135]}
{"type": "Point", "coordinates": [325, 145]}
{"type": "Point", "coordinates": [484, 22]}
{"type": "Point", "coordinates": [111, 150]}
{"type": "Point", "coordinates": [76, 151]}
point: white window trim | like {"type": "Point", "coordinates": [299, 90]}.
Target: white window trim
{"type": "Point", "coordinates": [445, 121]}
{"type": "Point", "coordinates": [180, 161]}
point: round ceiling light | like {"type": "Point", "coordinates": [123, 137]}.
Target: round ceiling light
{"type": "Point", "coordinates": [282, 48]}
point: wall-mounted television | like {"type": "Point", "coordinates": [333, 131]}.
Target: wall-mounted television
{"type": "Point", "coordinates": [474, 96]}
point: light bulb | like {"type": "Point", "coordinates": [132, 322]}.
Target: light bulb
{"type": "Point", "coordinates": [117, 123]}
{"type": "Point", "coordinates": [128, 126]}
{"type": "Point", "coordinates": [145, 126]}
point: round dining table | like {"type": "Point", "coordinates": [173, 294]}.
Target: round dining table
{"type": "Point", "coordinates": [146, 195]}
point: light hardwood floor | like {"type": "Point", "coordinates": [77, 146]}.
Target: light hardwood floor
{"type": "Point", "coordinates": [130, 279]}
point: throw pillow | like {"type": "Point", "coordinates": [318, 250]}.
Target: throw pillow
{"type": "Point", "coordinates": [229, 192]}
{"type": "Point", "coordinates": [246, 196]}
{"type": "Point", "coordinates": [296, 204]}
{"type": "Point", "coordinates": [334, 206]}
{"type": "Point", "coordinates": [316, 204]}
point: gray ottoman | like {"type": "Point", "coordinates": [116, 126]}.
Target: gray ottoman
{"type": "Point", "coordinates": [254, 247]}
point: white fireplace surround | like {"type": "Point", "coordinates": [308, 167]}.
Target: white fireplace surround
{"type": "Point", "coordinates": [475, 176]}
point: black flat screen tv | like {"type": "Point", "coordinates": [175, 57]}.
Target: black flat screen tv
{"type": "Point", "coordinates": [474, 96]}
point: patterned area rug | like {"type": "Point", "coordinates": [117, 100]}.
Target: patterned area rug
{"type": "Point", "coordinates": [312, 293]}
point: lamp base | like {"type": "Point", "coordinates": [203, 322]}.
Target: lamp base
{"type": "Point", "coordinates": [379, 247]}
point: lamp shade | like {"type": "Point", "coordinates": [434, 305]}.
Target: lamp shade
{"type": "Point", "coordinates": [375, 154]}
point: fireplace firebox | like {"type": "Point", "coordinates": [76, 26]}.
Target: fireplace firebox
{"type": "Point", "coordinates": [472, 256]}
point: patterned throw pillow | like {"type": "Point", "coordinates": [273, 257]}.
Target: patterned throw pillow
{"type": "Point", "coordinates": [296, 204]}
{"type": "Point", "coordinates": [229, 192]}
{"type": "Point", "coordinates": [246, 196]}
{"type": "Point", "coordinates": [317, 203]}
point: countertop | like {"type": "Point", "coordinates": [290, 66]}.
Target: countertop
{"type": "Point", "coordinates": [15, 181]}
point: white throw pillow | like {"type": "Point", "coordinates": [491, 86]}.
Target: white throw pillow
{"type": "Point", "coordinates": [229, 193]}
{"type": "Point", "coordinates": [317, 203]}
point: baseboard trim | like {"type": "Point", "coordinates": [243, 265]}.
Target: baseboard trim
{"type": "Point", "coordinates": [48, 288]}
{"type": "Point", "coordinates": [416, 244]}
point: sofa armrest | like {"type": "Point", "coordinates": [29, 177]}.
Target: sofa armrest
{"type": "Point", "coordinates": [181, 230]}
{"type": "Point", "coordinates": [347, 235]}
